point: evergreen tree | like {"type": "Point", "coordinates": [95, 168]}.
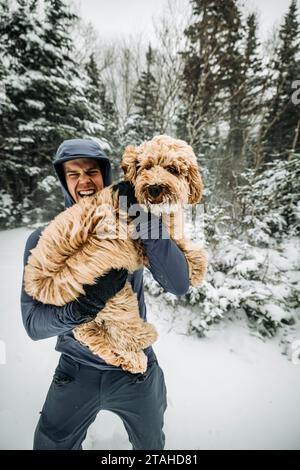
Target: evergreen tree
{"type": "Point", "coordinates": [282, 124]}
{"type": "Point", "coordinates": [247, 94]}
{"type": "Point", "coordinates": [67, 107]}
{"type": "Point", "coordinates": [48, 93]}
{"type": "Point", "coordinates": [252, 62]}
{"type": "Point", "coordinates": [209, 65]}
{"type": "Point", "coordinates": [213, 81]}
{"type": "Point", "coordinates": [205, 64]}
{"type": "Point", "coordinates": [103, 108]}
{"type": "Point", "coordinates": [6, 201]}
{"type": "Point", "coordinates": [4, 100]}
{"type": "Point", "coordinates": [19, 30]}
{"type": "Point", "coordinates": [233, 87]}
{"type": "Point", "coordinates": [142, 123]}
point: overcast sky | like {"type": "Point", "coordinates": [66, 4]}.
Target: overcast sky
{"type": "Point", "coordinates": [115, 18]}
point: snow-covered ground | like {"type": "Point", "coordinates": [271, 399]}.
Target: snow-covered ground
{"type": "Point", "coordinates": [227, 391]}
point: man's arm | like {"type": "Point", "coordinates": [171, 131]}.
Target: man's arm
{"type": "Point", "coordinates": [168, 264]}
{"type": "Point", "coordinates": [42, 320]}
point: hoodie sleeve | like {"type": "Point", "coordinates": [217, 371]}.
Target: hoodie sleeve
{"type": "Point", "coordinates": [43, 320]}
{"type": "Point", "coordinates": [168, 264]}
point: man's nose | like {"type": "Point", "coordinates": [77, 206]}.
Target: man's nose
{"type": "Point", "coordinates": [84, 177]}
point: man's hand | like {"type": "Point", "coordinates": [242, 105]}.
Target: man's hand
{"type": "Point", "coordinates": [147, 225]}
{"type": "Point", "coordinates": [126, 189]}
{"type": "Point", "coordinates": [87, 306]}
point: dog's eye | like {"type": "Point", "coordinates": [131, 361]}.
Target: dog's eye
{"type": "Point", "coordinates": [172, 169]}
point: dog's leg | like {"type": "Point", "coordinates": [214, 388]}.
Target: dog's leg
{"type": "Point", "coordinates": [134, 362]}
{"type": "Point", "coordinates": [193, 252]}
{"type": "Point", "coordinates": [196, 260]}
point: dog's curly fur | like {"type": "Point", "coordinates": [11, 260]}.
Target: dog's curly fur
{"type": "Point", "coordinates": [70, 252]}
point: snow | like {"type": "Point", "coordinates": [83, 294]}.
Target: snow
{"type": "Point", "coordinates": [48, 183]}
{"type": "Point", "coordinates": [39, 105]}
{"type": "Point", "coordinates": [273, 311]}
{"type": "Point", "coordinates": [229, 390]}
{"type": "Point", "coordinates": [33, 170]}
{"type": "Point", "coordinates": [6, 199]}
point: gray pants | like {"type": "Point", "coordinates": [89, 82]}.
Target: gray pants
{"type": "Point", "coordinates": [77, 393]}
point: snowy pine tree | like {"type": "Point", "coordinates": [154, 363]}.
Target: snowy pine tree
{"type": "Point", "coordinates": [214, 88]}
{"type": "Point", "coordinates": [104, 110]}
{"type": "Point", "coordinates": [6, 106]}
{"type": "Point", "coordinates": [206, 69]}
{"type": "Point", "coordinates": [199, 83]}
{"type": "Point", "coordinates": [282, 124]}
{"type": "Point", "coordinates": [247, 89]}
{"type": "Point", "coordinates": [254, 87]}
{"type": "Point", "coordinates": [19, 33]}
{"type": "Point", "coordinates": [233, 88]}
{"type": "Point", "coordinates": [48, 93]}
{"type": "Point", "coordinates": [142, 123]}
{"type": "Point", "coordinates": [5, 103]}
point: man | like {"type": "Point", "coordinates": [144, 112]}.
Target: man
{"type": "Point", "coordinates": [83, 383]}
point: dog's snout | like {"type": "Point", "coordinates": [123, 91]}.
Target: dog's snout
{"type": "Point", "coordinates": [154, 190]}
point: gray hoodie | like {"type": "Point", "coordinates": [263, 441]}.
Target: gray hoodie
{"type": "Point", "coordinates": [167, 265]}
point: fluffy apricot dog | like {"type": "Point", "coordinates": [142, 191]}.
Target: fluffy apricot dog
{"type": "Point", "coordinates": [96, 235]}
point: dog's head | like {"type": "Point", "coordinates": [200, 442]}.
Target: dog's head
{"type": "Point", "coordinates": [163, 171]}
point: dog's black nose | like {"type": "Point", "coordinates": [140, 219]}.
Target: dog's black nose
{"type": "Point", "coordinates": [154, 190]}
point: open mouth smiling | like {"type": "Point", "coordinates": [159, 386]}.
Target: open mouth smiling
{"type": "Point", "coordinates": [87, 192]}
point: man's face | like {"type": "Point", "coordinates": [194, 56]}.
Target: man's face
{"type": "Point", "coordinates": [83, 177]}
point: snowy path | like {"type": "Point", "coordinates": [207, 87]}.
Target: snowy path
{"type": "Point", "coordinates": [227, 391]}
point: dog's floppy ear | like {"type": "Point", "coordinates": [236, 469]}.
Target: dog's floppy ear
{"type": "Point", "coordinates": [195, 184]}
{"type": "Point", "coordinates": [129, 163]}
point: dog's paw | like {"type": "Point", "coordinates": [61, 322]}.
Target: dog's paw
{"type": "Point", "coordinates": [135, 362]}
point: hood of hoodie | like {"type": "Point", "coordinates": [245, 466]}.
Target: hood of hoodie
{"type": "Point", "coordinates": [80, 148]}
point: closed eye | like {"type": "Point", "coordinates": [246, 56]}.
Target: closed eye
{"type": "Point", "coordinates": [172, 169]}
{"type": "Point", "coordinates": [147, 167]}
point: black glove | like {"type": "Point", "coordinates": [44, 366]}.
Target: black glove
{"type": "Point", "coordinates": [87, 306]}
{"type": "Point", "coordinates": [126, 189]}
{"type": "Point", "coordinates": [138, 214]}
{"type": "Point", "coordinates": [147, 225]}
